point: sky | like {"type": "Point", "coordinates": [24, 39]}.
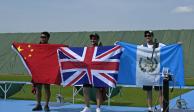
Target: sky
{"type": "Point", "coordinates": [95, 15]}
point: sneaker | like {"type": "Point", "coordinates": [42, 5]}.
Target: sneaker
{"type": "Point", "coordinates": [150, 109]}
{"type": "Point", "coordinates": [46, 108]}
{"type": "Point", "coordinates": [37, 108]}
{"type": "Point", "coordinates": [161, 109]}
{"type": "Point", "coordinates": [98, 110]}
{"type": "Point", "coordinates": [86, 109]}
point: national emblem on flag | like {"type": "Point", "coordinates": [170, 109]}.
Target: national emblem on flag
{"type": "Point", "coordinates": [97, 66]}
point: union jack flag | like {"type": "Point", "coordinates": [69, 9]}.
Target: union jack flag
{"type": "Point", "coordinates": [97, 66]}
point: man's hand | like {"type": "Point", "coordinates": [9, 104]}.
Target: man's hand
{"type": "Point", "coordinates": [179, 42]}
{"type": "Point", "coordinates": [33, 90]}
{"type": "Point", "coordinates": [116, 43]}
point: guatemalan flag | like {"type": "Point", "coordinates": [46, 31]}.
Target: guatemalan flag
{"type": "Point", "coordinates": [97, 66]}
{"type": "Point", "coordinates": [137, 67]}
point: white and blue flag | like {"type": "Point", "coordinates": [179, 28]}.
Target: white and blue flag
{"type": "Point", "coordinates": [139, 67]}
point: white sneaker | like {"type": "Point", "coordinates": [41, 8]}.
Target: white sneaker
{"type": "Point", "coordinates": [86, 109]}
{"type": "Point", "coordinates": [150, 109]}
{"type": "Point", "coordinates": [98, 110]}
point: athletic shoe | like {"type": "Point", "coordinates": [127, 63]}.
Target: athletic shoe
{"type": "Point", "coordinates": [37, 108]}
{"type": "Point", "coordinates": [150, 109]}
{"type": "Point", "coordinates": [98, 110]}
{"type": "Point", "coordinates": [86, 109]}
{"type": "Point", "coordinates": [46, 108]}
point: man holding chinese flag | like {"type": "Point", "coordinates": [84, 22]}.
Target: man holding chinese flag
{"type": "Point", "coordinates": [41, 62]}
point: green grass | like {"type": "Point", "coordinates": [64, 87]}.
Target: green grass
{"type": "Point", "coordinates": [127, 97]}
{"type": "Point", "coordinates": [189, 81]}
{"type": "Point", "coordinates": [15, 77]}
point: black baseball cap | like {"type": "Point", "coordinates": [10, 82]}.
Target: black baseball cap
{"type": "Point", "coordinates": [47, 35]}
{"type": "Point", "coordinates": [149, 32]}
{"type": "Point", "coordinates": [94, 35]}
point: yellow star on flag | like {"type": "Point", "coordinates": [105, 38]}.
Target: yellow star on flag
{"type": "Point", "coordinates": [31, 50]}
{"type": "Point", "coordinates": [29, 46]}
{"type": "Point", "coordinates": [20, 49]}
{"type": "Point", "coordinates": [29, 55]}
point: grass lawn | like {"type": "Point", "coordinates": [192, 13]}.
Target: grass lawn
{"type": "Point", "coordinates": [127, 96]}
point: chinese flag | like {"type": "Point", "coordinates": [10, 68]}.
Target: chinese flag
{"type": "Point", "coordinates": [41, 61]}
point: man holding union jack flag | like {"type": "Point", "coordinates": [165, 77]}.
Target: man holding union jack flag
{"type": "Point", "coordinates": [94, 66]}
{"type": "Point", "coordinates": [100, 91]}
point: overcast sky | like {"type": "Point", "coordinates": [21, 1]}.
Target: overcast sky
{"type": "Point", "coordinates": [94, 15]}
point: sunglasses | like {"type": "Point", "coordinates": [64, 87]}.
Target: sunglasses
{"type": "Point", "coordinates": [147, 35]}
{"type": "Point", "coordinates": [43, 37]}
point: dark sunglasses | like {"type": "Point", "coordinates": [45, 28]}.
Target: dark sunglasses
{"type": "Point", "coordinates": [147, 35]}
{"type": "Point", "coordinates": [43, 37]}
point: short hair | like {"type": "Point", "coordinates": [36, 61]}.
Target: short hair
{"type": "Point", "coordinates": [46, 33]}
{"type": "Point", "coordinates": [149, 32]}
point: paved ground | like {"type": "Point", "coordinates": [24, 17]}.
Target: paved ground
{"type": "Point", "coordinates": [26, 106]}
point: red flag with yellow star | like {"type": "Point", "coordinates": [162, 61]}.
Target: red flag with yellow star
{"type": "Point", "coordinates": [41, 61]}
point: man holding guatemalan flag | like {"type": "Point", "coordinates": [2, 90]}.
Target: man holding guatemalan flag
{"type": "Point", "coordinates": [142, 65]}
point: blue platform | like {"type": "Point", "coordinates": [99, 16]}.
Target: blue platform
{"type": "Point", "coordinates": [187, 97]}
{"type": "Point", "coordinates": [26, 106]}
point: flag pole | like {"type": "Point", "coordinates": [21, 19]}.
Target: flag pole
{"type": "Point", "coordinates": [167, 78]}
